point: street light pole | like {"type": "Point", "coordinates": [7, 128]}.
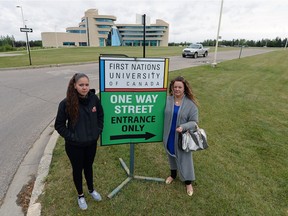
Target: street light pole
{"type": "Point", "coordinates": [144, 34]}
{"type": "Point", "coordinates": [217, 38]}
{"type": "Point", "coordinates": [24, 26]}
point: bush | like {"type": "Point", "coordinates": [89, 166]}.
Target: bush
{"type": "Point", "coordinates": [6, 48]}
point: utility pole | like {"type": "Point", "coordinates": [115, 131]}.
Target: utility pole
{"type": "Point", "coordinates": [24, 26]}
{"type": "Point", "coordinates": [144, 34]}
{"type": "Point", "coordinates": [214, 64]}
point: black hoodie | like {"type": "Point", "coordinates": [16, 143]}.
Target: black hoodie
{"type": "Point", "coordinates": [89, 124]}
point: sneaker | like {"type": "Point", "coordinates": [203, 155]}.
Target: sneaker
{"type": "Point", "coordinates": [82, 203]}
{"type": "Point", "coordinates": [96, 196]}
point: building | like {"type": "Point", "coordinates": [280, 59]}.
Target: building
{"type": "Point", "coordinates": [96, 30]}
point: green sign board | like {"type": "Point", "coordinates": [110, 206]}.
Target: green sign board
{"type": "Point", "coordinates": [133, 95]}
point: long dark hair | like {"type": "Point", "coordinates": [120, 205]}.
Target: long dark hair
{"type": "Point", "coordinates": [187, 89]}
{"type": "Point", "coordinates": [72, 101]}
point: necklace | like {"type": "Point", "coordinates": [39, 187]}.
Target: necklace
{"type": "Point", "coordinates": [178, 101]}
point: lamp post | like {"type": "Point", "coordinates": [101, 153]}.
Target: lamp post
{"type": "Point", "coordinates": [24, 26]}
{"type": "Point", "coordinates": [56, 38]}
{"type": "Point", "coordinates": [216, 46]}
{"type": "Point", "coordinates": [144, 34]}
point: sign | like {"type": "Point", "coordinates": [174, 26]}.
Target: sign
{"type": "Point", "coordinates": [133, 95]}
{"type": "Point", "coordinates": [26, 30]}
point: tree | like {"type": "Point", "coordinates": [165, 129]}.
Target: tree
{"type": "Point", "coordinates": [6, 43]}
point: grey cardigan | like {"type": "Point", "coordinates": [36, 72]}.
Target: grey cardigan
{"type": "Point", "coordinates": [187, 118]}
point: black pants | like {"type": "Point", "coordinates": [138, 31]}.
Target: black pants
{"type": "Point", "coordinates": [174, 175]}
{"type": "Point", "coordinates": [82, 158]}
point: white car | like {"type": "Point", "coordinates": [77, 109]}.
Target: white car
{"type": "Point", "coordinates": [195, 50]}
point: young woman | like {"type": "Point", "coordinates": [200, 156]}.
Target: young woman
{"type": "Point", "coordinates": [181, 113]}
{"type": "Point", "coordinates": [80, 121]}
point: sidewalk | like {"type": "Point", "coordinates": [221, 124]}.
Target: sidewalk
{"type": "Point", "coordinates": [35, 166]}
{"type": "Point", "coordinates": [43, 170]}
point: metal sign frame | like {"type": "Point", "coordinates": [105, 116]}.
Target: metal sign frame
{"type": "Point", "coordinates": [130, 89]}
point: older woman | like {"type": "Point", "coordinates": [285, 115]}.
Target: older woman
{"type": "Point", "coordinates": [181, 113]}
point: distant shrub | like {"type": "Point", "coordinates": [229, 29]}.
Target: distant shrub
{"type": "Point", "coordinates": [6, 48]}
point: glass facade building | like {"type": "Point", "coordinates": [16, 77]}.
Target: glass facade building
{"type": "Point", "coordinates": [101, 30]}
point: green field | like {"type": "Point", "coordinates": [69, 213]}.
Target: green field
{"type": "Point", "coordinates": [80, 54]}
{"type": "Point", "coordinates": [76, 55]}
{"type": "Point", "coordinates": [244, 110]}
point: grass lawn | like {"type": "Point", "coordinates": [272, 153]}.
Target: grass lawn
{"type": "Point", "coordinates": [81, 54]}
{"type": "Point", "coordinates": [76, 55]}
{"type": "Point", "coordinates": [244, 110]}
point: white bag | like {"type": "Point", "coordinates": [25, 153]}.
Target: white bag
{"type": "Point", "coordinates": [193, 140]}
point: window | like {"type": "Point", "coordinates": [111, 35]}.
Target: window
{"type": "Point", "coordinates": [153, 43]}
{"type": "Point", "coordinates": [127, 43]}
{"type": "Point", "coordinates": [103, 26]}
{"type": "Point", "coordinates": [103, 32]}
{"type": "Point", "coordinates": [68, 43]}
{"type": "Point", "coordinates": [103, 20]}
{"type": "Point", "coordinates": [101, 42]}
{"type": "Point", "coordinates": [129, 36]}
{"type": "Point", "coordinates": [82, 43]}
{"type": "Point", "coordinates": [130, 27]}
{"type": "Point", "coordinates": [137, 43]}
{"type": "Point", "coordinates": [76, 31]}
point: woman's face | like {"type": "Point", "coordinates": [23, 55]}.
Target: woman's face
{"type": "Point", "coordinates": [178, 89]}
{"type": "Point", "coordinates": [82, 86]}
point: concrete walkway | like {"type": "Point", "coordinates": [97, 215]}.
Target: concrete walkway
{"type": "Point", "coordinates": [25, 174]}
{"type": "Point", "coordinates": [10, 54]}
{"type": "Point", "coordinates": [43, 170]}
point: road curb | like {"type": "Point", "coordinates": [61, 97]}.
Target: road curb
{"type": "Point", "coordinates": [48, 66]}
{"type": "Point", "coordinates": [34, 208]}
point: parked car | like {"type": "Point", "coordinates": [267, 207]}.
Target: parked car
{"type": "Point", "coordinates": [195, 50]}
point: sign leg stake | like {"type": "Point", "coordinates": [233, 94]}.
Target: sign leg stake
{"type": "Point", "coordinates": [130, 173]}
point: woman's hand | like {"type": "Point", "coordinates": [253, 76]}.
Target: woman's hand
{"type": "Point", "coordinates": [179, 129]}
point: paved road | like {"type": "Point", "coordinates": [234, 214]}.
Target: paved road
{"type": "Point", "coordinates": [29, 99]}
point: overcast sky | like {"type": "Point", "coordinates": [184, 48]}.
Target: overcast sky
{"type": "Point", "coordinates": [189, 20]}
